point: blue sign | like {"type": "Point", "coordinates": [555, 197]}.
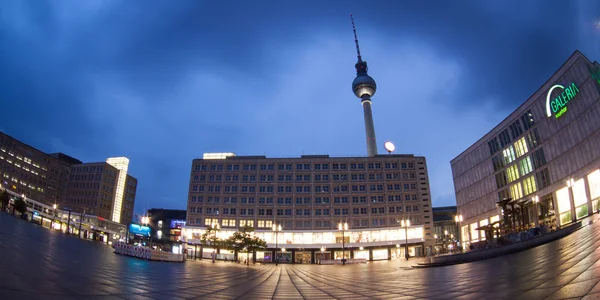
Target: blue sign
{"type": "Point", "coordinates": [177, 223]}
{"type": "Point", "coordinates": [139, 229]}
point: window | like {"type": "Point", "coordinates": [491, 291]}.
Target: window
{"type": "Point", "coordinates": [533, 138]}
{"type": "Point", "coordinates": [515, 129]}
{"type": "Point", "coordinates": [513, 173]}
{"type": "Point", "coordinates": [527, 119]}
{"type": "Point", "coordinates": [543, 178]}
{"type": "Point", "coordinates": [501, 179]}
{"type": "Point", "coordinates": [504, 138]}
{"type": "Point", "coordinates": [538, 158]}
{"type": "Point", "coordinates": [498, 162]}
{"type": "Point", "coordinates": [521, 147]}
{"type": "Point", "coordinates": [525, 166]}
{"type": "Point", "coordinates": [529, 185]}
{"type": "Point", "coordinates": [493, 145]}
{"type": "Point", "coordinates": [509, 155]}
{"type": "Point", "coordinates": [516, 192]}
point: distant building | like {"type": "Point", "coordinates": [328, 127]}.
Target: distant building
{"type": "Point", "coordinates": [103, 189]}
{"type": "Point", "coordinates": [541, 164]}
{"type": "Point", "coordinates": [445, 228]}
{"type": "Point", "coordinates": [166, 224]}
{"type": "Point", "coordinates": [309, 196]}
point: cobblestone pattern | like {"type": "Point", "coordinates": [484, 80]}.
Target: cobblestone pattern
{"type": "Point", "coordinates": [36, 263]}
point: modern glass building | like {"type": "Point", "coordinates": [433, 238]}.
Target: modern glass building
{"type": "Point", "coordinates": [309, 197]}
{"type": "Point", "coordinates": [539, 165]}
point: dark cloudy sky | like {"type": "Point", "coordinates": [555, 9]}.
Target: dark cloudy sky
{"type": "Point", "coordinates": [162, 82]}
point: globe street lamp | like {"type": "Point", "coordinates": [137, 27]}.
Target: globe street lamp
{"type": "Point", "coordinates": [343, 227]}
{"type": "Point", "coordinates": [276, 228]}
{"type": "Point", "coordinates": [405, 224]}
{"type": "Point", "coordinates": [389, 147]}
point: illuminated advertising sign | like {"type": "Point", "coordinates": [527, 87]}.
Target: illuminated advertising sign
{"type": "Point", "coordinates": [177, 223]}
{"type": "Point", "coordinates": [139, 229]}
{"type": "Point", "coordinates": [562, 96]}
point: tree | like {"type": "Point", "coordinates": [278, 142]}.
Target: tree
{"type": "Point", "coordinates": [4, 199]}
{"type": "Point", "coordinates": [20, 205]}
{"type": "Point", "coordinates": [210, 239]}
{"type": "Point", "coordinates": [244, 239]}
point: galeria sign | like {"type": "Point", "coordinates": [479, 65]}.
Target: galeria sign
{"type": "Point", "coordinates": [558, 106]}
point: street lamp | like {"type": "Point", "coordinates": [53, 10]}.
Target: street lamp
{"type": "Point", "coordinates": [276, 228]}
{"type": "Point", "coordinates": [458, 219]}
{"type": "Point", "coordinates": [53, 216]}
{"type": "Point", "coordinates": [343, 227]}
{"type": "Point", "coordinates": [214, 227]}
{"type": "Point", "coordinates": [405, 224]}
{"type": "Point", "coordinates": [389, 147]}
{"type": "Point", "coordinates": [536, 199]}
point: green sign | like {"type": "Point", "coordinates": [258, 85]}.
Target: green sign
{"type": "Point", "coordinates": [558, 105]}
{"type": "Point", "coordinates": [595, 73]}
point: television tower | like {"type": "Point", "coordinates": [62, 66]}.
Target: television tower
{"type": "Point", "coordinates": [364, 87]}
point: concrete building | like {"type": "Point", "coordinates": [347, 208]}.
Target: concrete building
{"type": "Point", "coordinates": [540, 165]}
{"type": "Point", "coordinates": [94, 188]}
{"type": "Point", "coordinates": [103, 189]}
{"type": "Point", "coordinates": [30, 172]}
{"type": "Point", "coordinates": [309, 196]}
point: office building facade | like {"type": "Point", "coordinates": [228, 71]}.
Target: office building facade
{"type": "Point", "coordinates": [67, 182]}
{"type": "Point", "coordinates": [540, 165]}
{"type": "Point", "coordinates": [309, 196]}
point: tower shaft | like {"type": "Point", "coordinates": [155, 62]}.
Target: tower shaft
{"type": "Point", "coordinates": [369, 128]}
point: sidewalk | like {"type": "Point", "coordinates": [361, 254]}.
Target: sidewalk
{"type": "Point", "coordinates": [445, 260]}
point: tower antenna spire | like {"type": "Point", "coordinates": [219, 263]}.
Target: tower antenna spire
{"type": "Point", "coordinates": [356, 40]}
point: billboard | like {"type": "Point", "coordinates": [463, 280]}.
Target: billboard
{"type": "Point", "coordinates": [139, 229]}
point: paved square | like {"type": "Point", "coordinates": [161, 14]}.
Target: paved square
{"type": "Point", "coordinates": [37, 263]}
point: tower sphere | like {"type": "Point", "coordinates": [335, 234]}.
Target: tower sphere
{"type": "Point", "coordinates": [363, 84]}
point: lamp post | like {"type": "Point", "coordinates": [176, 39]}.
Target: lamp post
{"type": "Point", "coordinates": [215, 226]}
{"type": "Point", "coordinates": [276, 228]}
{"type": "Point", "coordinates": [405, 224]}
{"type": "Point", "coordinates": [343, 227]}
{"type": "Point", "coordinates": [435, 244]}
{"type": "Point", "coordinates": [535, 200]}
{"type": "Point", "coordinates": [53, 216]}
{"type": "Point", "coordinates": [459, 218]}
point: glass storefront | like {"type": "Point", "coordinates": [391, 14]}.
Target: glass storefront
{"type": "Point", "coordinates": [338, 254]}
{"type": "Point", "coordinates": [580, 199]}
{"type": "Point", "coordinates": [323, 255]}
{"type": "Point", "coordinates": [380, 254]}
{"type": "Point", "coordinates": [594, 183]}
{"type": "Point", "coordinates": [564, 205]}
{"type": "Point", "coordinates": [303, 257]}
{"type": "Point", "coordinates": [320, 238]}
{"type": "Point", "coordinates": [361, 254]}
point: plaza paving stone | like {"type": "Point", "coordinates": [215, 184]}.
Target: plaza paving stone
{"type": "Point", "coordinates": [36, 263]}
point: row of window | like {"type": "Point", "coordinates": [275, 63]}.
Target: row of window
{"type": "Point", "coordinates": [515, 151]}
{"type": "Point", "coordinates": [298, 224]}
{"type": "Point", "coordinates": [527, 186]}
{"type": "Point", "coordinates": [303, 212]}
{"type": "Point", "coordinates": [303, 178]}
{"type": "Point", "coordinates": [302, 200]}
{"type": "Point", "coordinates": [303, 189]}
{"type": "Point", "coordinates": [305, 166]}
{"type": "Point", "coordinates": [516, 130]}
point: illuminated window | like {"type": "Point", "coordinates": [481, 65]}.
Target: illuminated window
{"type": "Point", "coordinates": [513, 173]}
{"type": "Point", "coordinates": [509, 155]}
{"type": "Point", "coordinates": [525, 166]}
{"type": "Point", "coordinates": [261, 223]}
{"type": "Point", "coordinates": [516, 192]}
{"type": "Point", "coordinates": [521, 147]}
{"type": "Point", "coordinates": [529, 185]}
